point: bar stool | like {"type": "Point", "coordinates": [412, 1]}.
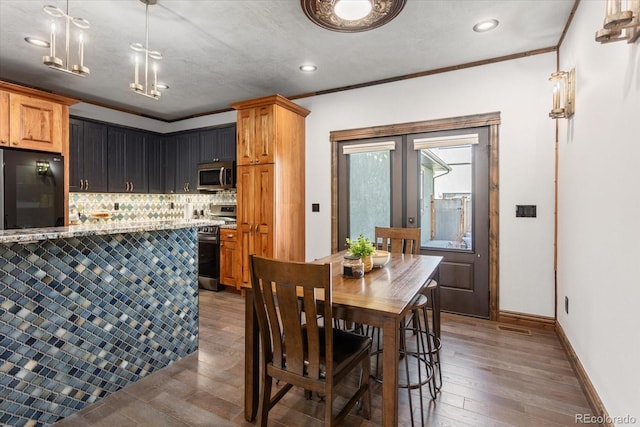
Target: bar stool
{"type": "Point", "coordinates": [417, 356]}
{"type": "Point", "coordinates": [432, 291]}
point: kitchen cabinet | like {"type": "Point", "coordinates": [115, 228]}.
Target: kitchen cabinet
{"type": "Point", "coordinates": [229, 257]}
{"type": "Point", "coordinates": [256, 135]}
{"type": "Point", "coordinates": [187, 158]}
{"type": "Point", "coordinates": [31, 123]}
{"type": "Point", "coordinates": [218, 144]}
{"type": "Point", "coordinates": [156, 162]}
{"type": "Point", "coordinates": [270, 179]}
{"type": "Point", "coordinates": [4, 119]}
{"type": "Point", "coordinates": [127, 161]}
{"type": "Point", "coordinates": [87, 156]}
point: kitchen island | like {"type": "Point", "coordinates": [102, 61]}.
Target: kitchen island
{"type": "Point", "coordinates": [87, 310]}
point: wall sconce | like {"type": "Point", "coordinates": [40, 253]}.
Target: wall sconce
{"type": "Point", "coordinates": [621, 22]}
{"type": "Point", "coordinates": [564, 94]}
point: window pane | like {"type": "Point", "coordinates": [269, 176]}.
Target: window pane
{"type": "Point", "coordinates": [369, 192]}
{"type": "Point", "coordinates": [446, 205]}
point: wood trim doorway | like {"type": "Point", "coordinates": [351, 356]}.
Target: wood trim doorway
{"type": "Point", "coordinates": [491, 120]}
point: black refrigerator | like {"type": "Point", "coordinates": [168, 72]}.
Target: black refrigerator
{"type": "Point", "coordinates": [32, 185]}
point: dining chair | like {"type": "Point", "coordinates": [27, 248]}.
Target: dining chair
{"type": "Point", "coordinates": [304, 353]}
{"type": "Point", "coordinates": [397, 239]}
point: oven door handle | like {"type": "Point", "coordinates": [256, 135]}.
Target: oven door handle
{"type": "Point", "coordinates": [222, 177]}
{"type": "Point", "coordinates": [207, 239]}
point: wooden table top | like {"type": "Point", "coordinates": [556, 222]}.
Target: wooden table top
{"type": "Point", "coordinates": [385, 291]}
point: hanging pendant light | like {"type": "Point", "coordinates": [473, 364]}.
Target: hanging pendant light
{"type": "Point", "coordinates": [139, 88]}
{"type": "Point", "coordinates": [60, 64]}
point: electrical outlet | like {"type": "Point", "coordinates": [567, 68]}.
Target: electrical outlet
{"type": "Point", "coordinates": [566, 304]}
{"type": "Point", "coordinates": [116, 206]}
{"type": "Point", "coordinates": [315, 207]}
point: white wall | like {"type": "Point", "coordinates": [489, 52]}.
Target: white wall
{"type": "Point", "coordinates": [598, 238]}
{"type": "Point", "coordinates": [520, 90]}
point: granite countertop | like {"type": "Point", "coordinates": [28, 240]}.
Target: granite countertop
{"type": "Point", "coordinates": [95, 229]}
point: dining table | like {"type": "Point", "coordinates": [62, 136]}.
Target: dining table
{"type": "Point", "coordinates": [382, 298]}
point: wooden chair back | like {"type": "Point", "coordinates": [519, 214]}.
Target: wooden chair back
{"type": "Point", "coordinates": [282, 290]}
{"type": "Point", "coordinates": [398, 240]}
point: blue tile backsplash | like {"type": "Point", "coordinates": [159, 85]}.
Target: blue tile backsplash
{"type": "Point", "coordinates": [82, 317]}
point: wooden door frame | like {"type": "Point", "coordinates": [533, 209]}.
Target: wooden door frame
{"type": "Point", "coordinates": [490, 120]}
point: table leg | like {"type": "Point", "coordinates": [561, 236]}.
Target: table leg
{"type": "Point", "coordinates": [251, 359]}
{"type": "Point", "coordinates": [390, 359]}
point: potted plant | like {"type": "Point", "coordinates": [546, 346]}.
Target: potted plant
{"type": "Point", "coordinates": [363, 248]}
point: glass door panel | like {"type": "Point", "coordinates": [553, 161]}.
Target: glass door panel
{"type": "Point", "coordinates": [369, 192]}
{"type": "Point", "coordinates": [446, 202]}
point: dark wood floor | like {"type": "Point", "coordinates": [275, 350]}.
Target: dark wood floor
{"type": "Point", "coordinates": [491, 378]}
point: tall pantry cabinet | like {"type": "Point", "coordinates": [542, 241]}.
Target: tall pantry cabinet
{"type": "Point", "coordinates": [270, 180]}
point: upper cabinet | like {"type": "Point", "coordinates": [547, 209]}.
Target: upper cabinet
{"type": "Point", "coordinates": [187, 159]}
{"type": "Point", "coordinates": [87, 156]}
{"type": "Point", "coordinates": [4, 119]}
{"type": "Point", "coordinates": [218, 144]}
{"type": "Point", "coordinates": [256, 134]}
{"type": "Point", "coordinates": [114, 159]}
{"type": "Point", "coordinates": [33, 120]}
{"type": "Point", "coordinates": [156, 163]}
{"type": "Point", "coordinates": [127, 161]}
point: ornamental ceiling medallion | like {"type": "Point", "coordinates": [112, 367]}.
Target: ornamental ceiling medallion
{"type": "Point", "coordinates": [321, 13]}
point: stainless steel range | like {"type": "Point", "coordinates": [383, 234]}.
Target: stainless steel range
{"type": "Point", "coordinates": [209, 246]}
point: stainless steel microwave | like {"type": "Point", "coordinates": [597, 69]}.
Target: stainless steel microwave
{"type": "Point", "coordinates": [216, 176]}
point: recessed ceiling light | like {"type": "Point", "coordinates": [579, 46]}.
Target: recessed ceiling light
{"type": "Point", "coordinates": [308, 68]}
{"type": "Point", "coordinates": [36, 42]}
{"type": "Point", "coordinates": [352, 10]}
{"type": "Point", "coordinates": [487, 25]}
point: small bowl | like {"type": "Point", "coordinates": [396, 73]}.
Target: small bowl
{"type": "Point", "coordinates": [380, 258]}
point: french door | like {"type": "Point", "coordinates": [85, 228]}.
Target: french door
{"type": "Point", "coordinates": [436, 181]}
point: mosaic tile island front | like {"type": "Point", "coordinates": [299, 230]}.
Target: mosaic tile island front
{"type": "Point", "coordinates": [87, 310]}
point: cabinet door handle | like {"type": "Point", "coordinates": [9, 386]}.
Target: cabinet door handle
{"type": "Point", "coordinates": [126, 186]}
{"type": "Point", "coordinates": [81, 185]}
{"type": "Point", "coordinates": [3, 142]}
{"type": "Point", "coordinates": [188, 187]}
{"type": "Point", "coordinates": [15, 142]}
{"type": "Point", "coordinates": [131, 183]}
{"type": "Point", "coordinates": [86, 184]}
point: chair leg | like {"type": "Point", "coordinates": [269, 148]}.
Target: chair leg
{"type": "Point", "coordinates": [366, 399]}
{"type": "Point", "coordinates": [265, 401]}
{"type": "Point", "coordinates": [328, 408]}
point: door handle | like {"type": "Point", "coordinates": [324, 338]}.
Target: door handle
{"type": "Point", "coordinates": [86, 184]}
{"type": "Point", "coordinates": [132, 186]}
{"type": "Point", "coordinates": [81, 184]}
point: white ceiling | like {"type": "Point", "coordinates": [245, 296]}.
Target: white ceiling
{"type": "Point", "coordinates": [220, 51]}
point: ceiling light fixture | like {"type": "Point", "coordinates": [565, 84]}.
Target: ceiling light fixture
{"type": "Point", "coordinates": [564, 94]}
{"type": "Point", "coordinates": [352, 10]}
{"type": "Point", "coordinates": [136, 86]}
{"type": "Point", "coordinates": [308, 68]}
{"type": "Point", "coordinates": [351, 16]}
{"type": "Point", "coordinates": [485, 26]}
{"type": "Point", "coordinates": [621, 22]}
{"type": "Point", "coordinates": [52, 60]}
